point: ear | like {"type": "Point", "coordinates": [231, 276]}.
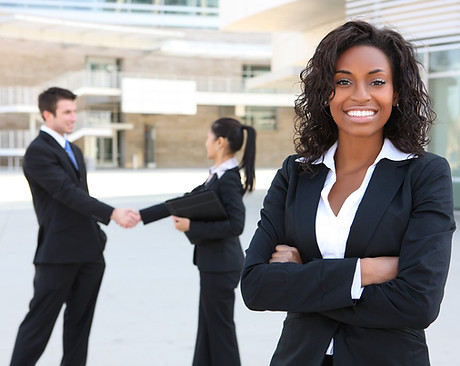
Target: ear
{"type": "Point", "coordinates": [220, 141]}
{"type": "Point", "coordinates": [47, 115]}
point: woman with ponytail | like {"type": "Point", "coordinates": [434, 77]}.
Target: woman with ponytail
{"type": "Point", "coordinates": [218, 253]}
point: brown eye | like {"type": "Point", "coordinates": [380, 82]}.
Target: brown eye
{"type": "Point", "coordinates": [378, 82]}
{"type": "Point", "coordinates": [343, 82]}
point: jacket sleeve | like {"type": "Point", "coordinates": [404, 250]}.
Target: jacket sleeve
{"type": "Point", "coordinates": [154, 213]}
{"type": "Point", "coordinates": [314, 286]}
{"type": "Point", "coordinates": [230, 193]}
{"type": "Point", "coordinates": [413, 299]}
{"type": "Point", "coordinates": [44, 170]}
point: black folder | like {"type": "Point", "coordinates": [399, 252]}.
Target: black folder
{"type": "Point", "coordinates": [200, 206]}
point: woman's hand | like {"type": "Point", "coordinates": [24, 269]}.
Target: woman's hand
{"type": "Point", "coordinates": [285, 254]}
{"type": "Point", "coordinates": [378, 270]}
{"type": "Point", "coordinates": [181, 223]}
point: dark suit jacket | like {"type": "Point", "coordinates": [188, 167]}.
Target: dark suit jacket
{"type": "Point", "coordinates": [217, 244]}
{"type": "Point", "coordinates": [406, 211]}
{"type": "Point", "coordinates": [67, 215]}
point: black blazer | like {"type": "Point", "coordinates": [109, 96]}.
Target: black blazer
{"type": "Point", "coordinates": [67, 215]}
{"type": "Point", "coordinates": [217, 244]}
{"type": "Point", "coordinates": [406, 211]}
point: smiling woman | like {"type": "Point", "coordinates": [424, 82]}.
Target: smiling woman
{"type": "Point", "coordinates": [364, 94]}
{"type": "Point", "coordinates": [355, 234]}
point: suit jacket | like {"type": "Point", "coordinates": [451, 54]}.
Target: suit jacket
{"type": "Point", "coordinates": [406, 211]}
{"type": "Point", "coordinates": [67, 215]}
{"type": "Point", "coordinates": [217, 244]}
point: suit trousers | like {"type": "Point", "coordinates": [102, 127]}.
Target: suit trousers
{"type": "Point", "coordinates": [216, 343]}
{"type": "Point", "coordinates": [76, 285]}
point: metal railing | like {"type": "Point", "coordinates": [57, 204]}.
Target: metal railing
{"type": "Point", "coordinates": [18, 95]}
{"type": "Point", "coordinates": [14, 140]}
{"type": "Point", "coordinates": [87, 78]}
{"type": "Point", "coordinates": [157, 7]}
{"type": "Point", "coordinates": [22, 95]}
{"type": "Point", "coordinates": [88, 119]}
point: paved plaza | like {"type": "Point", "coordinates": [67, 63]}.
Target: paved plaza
{"type": "Point", "coordinates": [148, 305]}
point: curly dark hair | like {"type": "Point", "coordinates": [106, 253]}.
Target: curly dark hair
{"type": "Point", "coordinates": [410, 121]}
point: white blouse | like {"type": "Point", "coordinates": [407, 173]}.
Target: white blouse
{"type": "Point", "coordinates": [332, 231]}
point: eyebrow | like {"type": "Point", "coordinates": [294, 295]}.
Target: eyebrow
{"type": "Point", "coordinates": [376, 71]}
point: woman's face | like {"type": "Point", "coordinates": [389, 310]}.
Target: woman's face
{"type": "Point", "coordinates": [212, 145]}
{"type": "Point", "coordinates": [364, 93]}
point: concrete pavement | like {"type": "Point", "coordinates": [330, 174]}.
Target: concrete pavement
{"type": "Point", "coordinates": [148, 304]}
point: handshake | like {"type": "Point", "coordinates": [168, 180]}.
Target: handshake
{"type": "Point", "coordinates": [126, 217]}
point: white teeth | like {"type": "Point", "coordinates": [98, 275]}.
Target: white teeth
{"type": "Point", "coordinates": [360, 113]}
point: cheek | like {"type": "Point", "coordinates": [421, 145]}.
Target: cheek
{"type": "Point", "coordinates": [335, 111]}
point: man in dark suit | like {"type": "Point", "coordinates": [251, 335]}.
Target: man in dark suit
{"type": "Point", "coordinates": [69, 262]}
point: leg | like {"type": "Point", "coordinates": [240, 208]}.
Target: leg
{"type": "Point", "coordinates": [202, 354]}
{"type": "Point", "coordinates": [218, 338]}
{"type": "Point", "coordinates": [79, 312]}
{"type": "Point", "coordinates": [52, 284]}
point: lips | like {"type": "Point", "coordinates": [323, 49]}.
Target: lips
{"type": "Point", "coordinates": [360, 113]}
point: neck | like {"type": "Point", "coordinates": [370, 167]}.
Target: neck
{"type": "Point", "coordinates": [222, 159]}
{"type": "Point", "coordinates": [357, 152]}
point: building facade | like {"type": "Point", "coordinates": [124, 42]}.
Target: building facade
{"type": "Point", "coordinates": [432, 25]}
{"type": "Point", "coordinates": [150, 78]}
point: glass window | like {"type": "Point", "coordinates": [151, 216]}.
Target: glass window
{"type": "Point", "coordinates": [150, 139]}
{"type": "Point", "coordinates": [261, 118]}
{"type": "Point", "coordinates": [180, 2]}
{"type": "Point", "coordinates": [442, 61]}
{"type": "Point", "coordinates": [211, 3]}
{"type": "Point", "coordinates": [103, 72]}
{"type": "Point", "coordinates": [250, 71]}
{"type": "Point", "coordinates": [445, 132]}
{"type": "Point", "coordinates": [104, 152]}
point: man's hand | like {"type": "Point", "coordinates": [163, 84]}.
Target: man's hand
{"type": "Point", "coordinates": [285, 254]}
{"type": "Point", "coordinates": [126, 217]}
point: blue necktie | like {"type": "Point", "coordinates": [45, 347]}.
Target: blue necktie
{"type": "Point", "coordinates": [69, 151]}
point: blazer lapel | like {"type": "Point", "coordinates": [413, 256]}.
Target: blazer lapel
{"type": "Point", "coordinates": [307, 197]}
{"type": "Point", "coordinates": [64, 157]}
{"type": "Point", "coordinates": [384, 184]}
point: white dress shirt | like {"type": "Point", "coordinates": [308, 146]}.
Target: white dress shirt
{"type": "Point", "coordinates": [332, 231]}
{"type": "Point", "coordinates": [58, 137]}
{"type": "Point", "coordinates": [222, 168]}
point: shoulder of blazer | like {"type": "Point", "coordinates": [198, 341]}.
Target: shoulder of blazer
{"type": "Point", "coordinates": [428, 164]}
{"type": "Point", "coordinates": [292, 168]}
{"type": "Point", "coordinates": [421, 164]}
{"type": "Point", "coordinates": [231, 173]}
{"type": "Point", "coordinates": [231, 178]}
{"type": "Point", "coordinates": [43, 140]}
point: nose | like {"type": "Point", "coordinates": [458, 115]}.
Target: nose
{"type": "Point", "coordinates": [361, 93]}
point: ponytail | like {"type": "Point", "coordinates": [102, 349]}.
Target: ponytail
{"type": "Point", "coordinates": [232, 130]}
{"type": "Point", "coordinates": [249, 157]}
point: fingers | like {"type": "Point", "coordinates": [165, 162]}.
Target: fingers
{"type": "Point", "coordinates": [126, 217]}
{"type": "Point", "coordinates": [285, 254]}
{"type": "Point", "coordinates": [181, 223]}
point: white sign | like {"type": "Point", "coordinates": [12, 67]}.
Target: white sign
{"type": "Point", "coordinates": [157, 96]}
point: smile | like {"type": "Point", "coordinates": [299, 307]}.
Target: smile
{"type": "Point", "coordinates": [358, 113]}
